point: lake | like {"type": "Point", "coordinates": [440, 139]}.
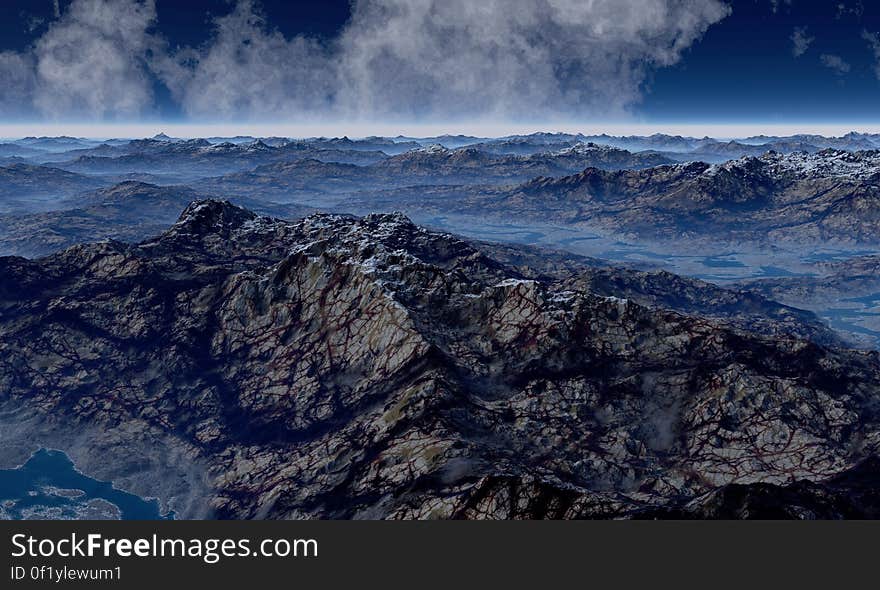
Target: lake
{"type": "Point", "coordinates": [49, 487]}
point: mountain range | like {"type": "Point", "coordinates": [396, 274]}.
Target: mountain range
{"type": "Point", "coordinates": [343, 367]}
{"type": "Point", "coordinates": [830, 197]}
{"type": "Point", "coordinates": [521, 350]}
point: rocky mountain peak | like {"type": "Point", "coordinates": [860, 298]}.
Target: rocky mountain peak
{"type": "Point", "coordinates": [434, 149]}
{"type": "Point", "coordinates": [368, 367]}
{"type": "Point", "coordinates": [745, 169]}
{"type": "Point", "coordinates": [588, 148]}
{"type": "Point", "coordinates": [259, 146]}
{"type": "Point", "coordinates": [391, 243]}
{"type": "Point", "coordinates": [209, 216]}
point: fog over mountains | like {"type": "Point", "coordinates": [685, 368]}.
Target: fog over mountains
{"type": "Point", "coordinates": [539, 326]}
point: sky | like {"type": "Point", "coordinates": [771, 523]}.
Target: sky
{"type": "Point", "coordinates": [454, 64]}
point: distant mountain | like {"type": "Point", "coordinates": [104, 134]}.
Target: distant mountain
{"type": "Point", "coordinates": [430, 165]}
{"type": "Point", "coordinates": [521, 146]}
{"type": "Point", "coordinates": [679, 148]}
{"type": "Point", "coordinates": [376, 144]}
{"type": "Point", "coordinates": [66, 152]}
{"type": "Point", "coordinates": [13, 149]}
{"type": "Point", "coordinates": [104, 150]}
{"type": "Point", "coordinates": [851, 141]}
{"type": "Point", "coordinates": [657, 142]}
{"type": "Point", "coordinates": [804, 196]}
{"type": "Point", "coordinates": [739, 147]}
{"type": "Point", "coordinates": [475, 166]}
{"type": "Point", "coordinates": [590, 155]}
{"type": "Point", "coordinates": [130, 211]}
{"type": "Point", "coordinates": [55, 144]}
{"type": "Point", "coordinates": [24, 187]}
{"type": "Point", "coordinates": [830, 196]}
{"type": "Point", "coordinates": [284, 181]}
{"type": "Point", "coordinates": [245, 367]}
{"type": "Point", "coordinates": [304, 150]}
{"type": "Point", "coordinates": [448, 141]}
{"type": "Point", "coordinates": [194, 159]}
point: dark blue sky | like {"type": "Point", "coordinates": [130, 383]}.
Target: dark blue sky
{"type": "Point", "coordinates": [743, 69]}
{"type": "Point", "coordinates": [184, 22]}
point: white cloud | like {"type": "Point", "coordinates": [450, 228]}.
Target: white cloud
{"type": "Point", "coordinates": [800, 41]}
{"type": "Point", "coordinates": [835, 62]}
{"type": "Point", "coordinates": [432, 59]}
{"type": "Point", "coordinates": [249, 70]}
{"type": "Point", "coordinates": [457, 57]}
{"type": "Point", "coordinates": [91, 63]}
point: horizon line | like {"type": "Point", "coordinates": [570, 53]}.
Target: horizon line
{"type": "Point", "coordinates": [360, 129]}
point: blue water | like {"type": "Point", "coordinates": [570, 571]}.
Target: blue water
{"type": "Point", "coordinates": [48, 486]}
{"type": "Point", "coordinates": [777, 272]}
{"type": "Point", "coordinates": [721, 262]}
{"type": "Point", "coordinates": [869, 301]}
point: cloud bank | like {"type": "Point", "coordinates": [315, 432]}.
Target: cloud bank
{"type": "Point", "coordinates": [425, 59]}
{"type": "Point", "coordinates": [90, 64]}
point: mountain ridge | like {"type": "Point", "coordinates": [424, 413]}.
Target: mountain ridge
{"type": "Point", "coordinates": [335, 367]}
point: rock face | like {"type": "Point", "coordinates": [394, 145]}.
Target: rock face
{"type": "Point", "coordinates": [367, 368]}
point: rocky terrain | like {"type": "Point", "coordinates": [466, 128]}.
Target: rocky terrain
{"type": "Point", "coordinates": [433, 165]}
{"type": "Point", "coordinates": [404, 161]}
{"type": "Point", "coordinates": [685, 149]}
{"type": "Point", "coordinates": [755, 217]}
{"type": "Point", "coordinates": [341, 367]}
{"type": "Point", "coordinates": [830, 197]}
{"type": "Point", "coordinates": [129, 211]}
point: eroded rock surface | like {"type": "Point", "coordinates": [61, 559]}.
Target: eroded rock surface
{"type": "Point", "coordinates": [367, 368]}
